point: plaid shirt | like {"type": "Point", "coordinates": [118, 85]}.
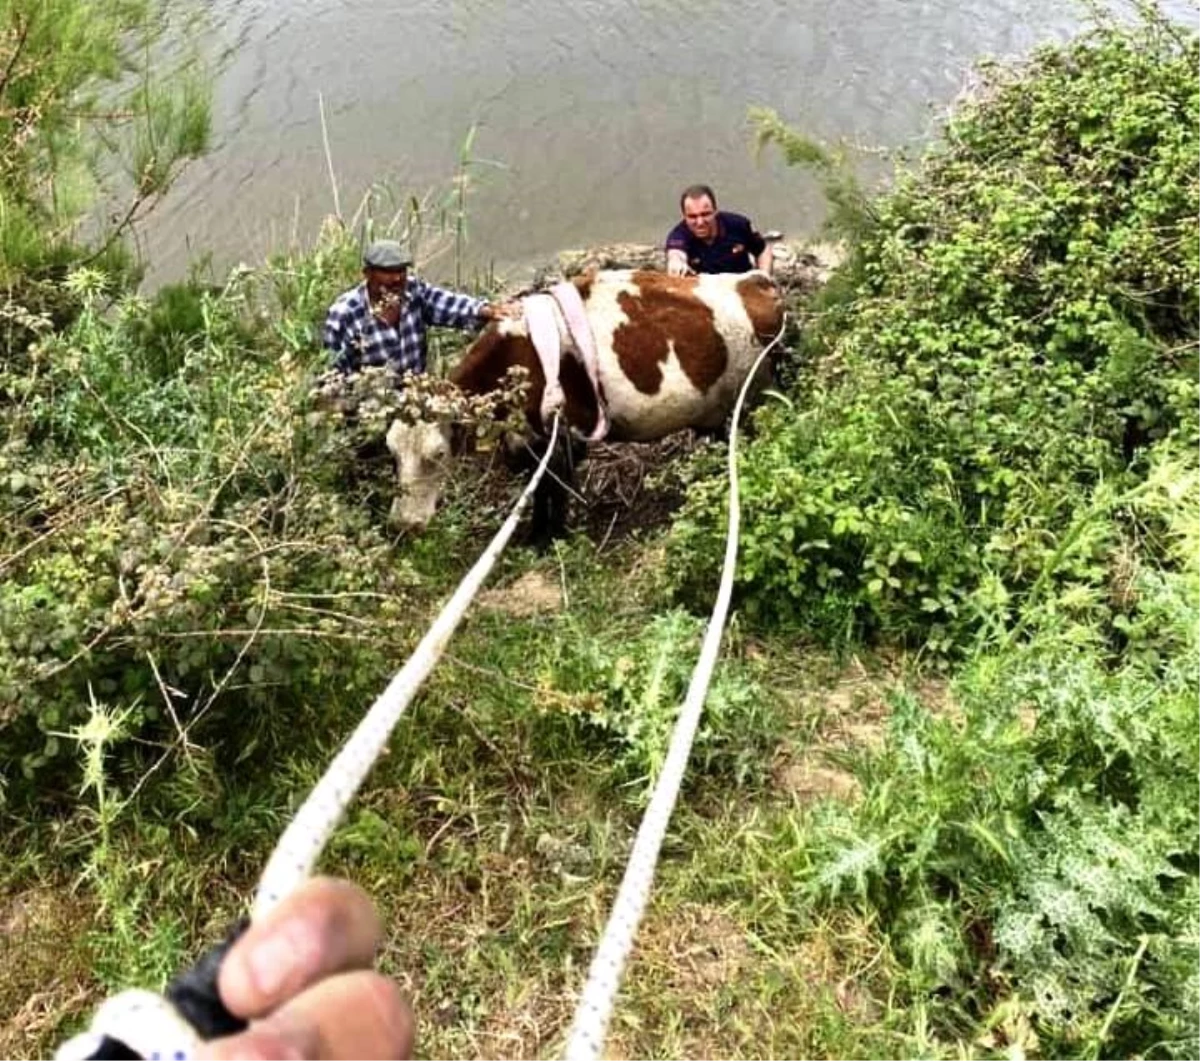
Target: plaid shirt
{"type": "Point", "coordinates": [357, 338]}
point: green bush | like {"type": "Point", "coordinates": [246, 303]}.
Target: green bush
{"type": "Point", "coordinates": [83, 115]}
{"type": "Point", "coordinates": [179, 318]}
{"type": "Point", "coordinates": [178, 544]}
{"type": "Point", "coordinates": [1033, 847]}
{"type": "Point", "coordinates": [1016, 329]}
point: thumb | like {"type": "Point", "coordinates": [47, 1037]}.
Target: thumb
{"type": "Point", "coordinates": [355, 1015]}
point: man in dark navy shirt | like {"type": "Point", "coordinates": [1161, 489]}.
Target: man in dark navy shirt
{"type": "Point", "coordinates": [709, 240]}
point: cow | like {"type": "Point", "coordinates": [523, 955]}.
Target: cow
{"type": "Point", "coordinates": [669, 353]}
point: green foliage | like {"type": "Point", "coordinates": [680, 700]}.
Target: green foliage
{"type": "Point", "coordinates": [81, 118]}
{"type": "Point", "coordinates": [993, 433]}
{"type": "Point", "coordinates": [1015, 331]}
{"type": "Point", "coordinates": [851, 212]}
{"type": "Point", "coordinates": [1037, 842]}
{"type": "Point", "coordinates": [161, 330]}
{"type": "Point", "coordinates": [178, 545]}
{"type": "Point", "coordinates": [631, 684]}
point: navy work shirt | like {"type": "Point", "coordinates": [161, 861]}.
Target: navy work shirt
{"type": "Point", "coordinates": [733, 250]}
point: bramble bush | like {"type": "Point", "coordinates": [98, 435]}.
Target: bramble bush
{"type": "Point", "coordinates": [179, 543]}
{"type": "Point", "coordinates": [1016, 329]}
{"type": "Point", "coordinates": [991, 450]}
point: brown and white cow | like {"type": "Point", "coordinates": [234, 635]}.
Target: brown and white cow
{"type": "Point", "coordinates": [671, 353]}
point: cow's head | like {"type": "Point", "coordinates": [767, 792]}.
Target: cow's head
{"type": "Point", "coordinates": [439, 420]}
{"type": "Point", "coordinates": [422, 453]}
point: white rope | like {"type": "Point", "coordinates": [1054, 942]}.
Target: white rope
{"type": "Point", "coordinates": [144, 1022]}
{"type": "Point", "coordinates": [301, 844]}
{"type": "Point", "coordinates": [595, 1007]}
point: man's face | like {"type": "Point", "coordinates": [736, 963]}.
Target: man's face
{"type": "Point", "coordinates": [700, 216]}
{"type": "Point", "coordinates": [383, 284]}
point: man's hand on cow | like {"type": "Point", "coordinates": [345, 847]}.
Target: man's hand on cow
{"type": "Point", "coordinates": [493, 311]}
{"type": "Point", "coordinates": [677, 264]}
{"type": "Point", "coordinates": [303, 976]}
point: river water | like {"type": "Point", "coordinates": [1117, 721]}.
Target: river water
{"type": "Point", "coordinates": [589, 115]}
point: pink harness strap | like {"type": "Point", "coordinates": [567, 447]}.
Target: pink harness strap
{"type": "Point", "coordinates": [566, 294]}
{"type": "Point", "coordinates": [542, 322]}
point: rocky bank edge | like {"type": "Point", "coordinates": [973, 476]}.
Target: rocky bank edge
{"type": "Point", "coordinates": [800, 268]}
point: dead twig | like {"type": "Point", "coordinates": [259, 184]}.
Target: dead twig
{"type": "Point", "coordinates": [337, 204]}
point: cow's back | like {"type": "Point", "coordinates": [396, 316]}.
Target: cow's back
{"type": "Point", "coordinates": [674, 351]}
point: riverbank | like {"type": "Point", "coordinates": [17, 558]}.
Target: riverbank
{"type": "Point", "coordinates": [942, 801]}
{"type": "Point", "coordinates": [801, 267]}
{"type": "Point", "coordinates": [582, 130]}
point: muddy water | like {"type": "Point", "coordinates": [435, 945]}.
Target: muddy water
{"type": "Point", "coordinates": [589, 115]}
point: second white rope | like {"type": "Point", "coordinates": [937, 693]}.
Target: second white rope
{"type": "Point", "coordinates": [595, 1007]}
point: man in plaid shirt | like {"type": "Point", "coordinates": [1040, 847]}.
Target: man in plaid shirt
{"type": "Point", "coordinates": [382, 321]}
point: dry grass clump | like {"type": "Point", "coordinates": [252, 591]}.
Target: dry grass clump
{"type": "Point", "coordinates": [623, 489]}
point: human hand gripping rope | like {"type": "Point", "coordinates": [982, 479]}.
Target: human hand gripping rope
{"type": "Point", "coordinates": [140, 1024]}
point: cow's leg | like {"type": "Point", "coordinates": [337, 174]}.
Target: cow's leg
{"type": "Point", "coordinates": [552, 499]}
{"type": "Point", "coordinates": [720, 433]}
{"type": "Point", "coordinates": [523, 455]}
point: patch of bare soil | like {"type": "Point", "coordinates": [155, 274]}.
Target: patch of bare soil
{"type": "Point", "coordinates": [530, 1020]}
{"type": "Point", "coordinates": [687, 959]}
{"type": "Point", "coordinates": [935, 694]}
{"type": "Point", "coordinates": [700, 948]}
{"type": "Point", "coordinates": [807, 777]}
{"type": "Point", "coordinates": [854, 710]}
{"type": "Point", "coordinates": [852, 715]}
{"type": "Point", "coordinates": [532, 594]}
{"type": "Point", "coordinates": [700, 985]}
{"type": "Point", "coordinates": [827, 960]}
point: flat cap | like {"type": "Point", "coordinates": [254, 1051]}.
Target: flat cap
{"type": "Point", "coordinates": [387, 254]}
